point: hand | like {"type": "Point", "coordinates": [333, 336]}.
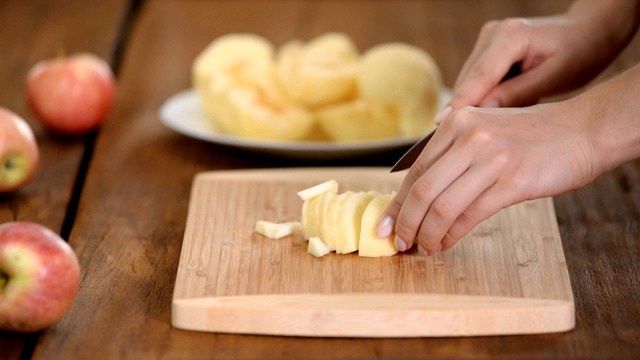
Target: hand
{"type": "Point", "coordinates": [482, 160]}
{"type": "Point", "coordinates": [555, 54]}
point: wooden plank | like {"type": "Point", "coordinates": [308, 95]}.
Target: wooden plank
{"type": "Point", "coordinates": [508, 276]}
{"type": "Point", "coordinates": [29, 32]}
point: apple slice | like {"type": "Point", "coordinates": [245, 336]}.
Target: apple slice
{"type": "Point", "coordinates": [329, 233]}
{"type": "Point", "coordinates": [370, 245]}
{"type": "Point", "coordinates": [320, 218]}
{"type": "Point", "coordinates": [349, 218]}
{"type": "Point", "coordinates": [309, 227]}
{"type": "Point", "coordinates": [310, 223]}
{"type": "Point", "coordinates": [330, 185]}
{"type": "Point", "coordinates": [316, 247]}
{"type": "Point", "coordinates": [277, 230]}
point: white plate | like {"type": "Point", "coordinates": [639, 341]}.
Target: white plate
{"type": "Point", "coordinates": [183, 114]}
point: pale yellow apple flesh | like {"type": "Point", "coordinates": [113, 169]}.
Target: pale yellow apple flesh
{"type": "Point", "coordinates": [370, 245]}
{"type": "Point", "coordinates": [345, 222]}
{"type": "Point", "coordinates": [317, 90]}
{"type": "Point", "coordinates": [277, 230]}
{"type": "Point", "coordinates": [317, 248]}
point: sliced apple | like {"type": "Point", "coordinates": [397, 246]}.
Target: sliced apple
{"type": "Point", "coordinates": [330, 234]}
{"type": "Point", "coordinates": [349, 219]}
{"type": "Point", "coordinates": [320, 217]}
{"type": "Point", "coordinates": [370, 245]}
{"type": "Point", "coordinates": [309, 218]}
{"type": "Point", "coordinates": [309, 193]}
{"type": "Point", "coordinates": [274, 230]}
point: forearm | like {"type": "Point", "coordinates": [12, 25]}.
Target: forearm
{"type": "Point", "coordinates": [611, 112]}
{"type": "Point", "coordinates": [610, 23]}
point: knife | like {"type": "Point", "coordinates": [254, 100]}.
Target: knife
{"type": "Point", "coordinates": [412, 154]}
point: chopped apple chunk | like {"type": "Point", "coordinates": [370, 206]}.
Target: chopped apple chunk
{"type": "Point", "coordinates": [274, 230]}
{"type": "Point", "coordinates": [316, 247]}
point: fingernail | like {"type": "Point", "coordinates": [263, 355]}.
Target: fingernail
{"type": "Point", "coordinates": [422, 251]}
{"type": "Point", "coordinates": [440, 247]}
{"type": "Point", "coordinates": [491, 104]}
{"type": "Point", "coordinates": [442, 115]}
{"type": "Point", "coordinates": [385, 227]}
{"type": "Point", "coordinates": [400, 244]}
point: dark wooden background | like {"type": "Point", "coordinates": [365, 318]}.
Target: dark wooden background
{"type": "Point", "coordinates": [120, 195]}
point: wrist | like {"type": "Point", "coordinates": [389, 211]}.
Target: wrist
{"type": "Point", "coordinates": [610, 118]}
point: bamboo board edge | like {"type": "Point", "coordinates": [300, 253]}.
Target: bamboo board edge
{"type": "Point", "coordinates": [359, 315]}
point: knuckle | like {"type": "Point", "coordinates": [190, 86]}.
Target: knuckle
{"type": "Point", "coordinates": [512, 25]}
{"type": "Point", "coordinates": [443, 208]}
{"type": "Point", "coordinates": [480, 137]}
{"type": "Point", "coordinates": [416, 171]}
{"type": "Point", "coordinates": [460, 118]}
{"type": "Point", "coordinates": [501, 160]}
{"type": "Point", "coordinates": [422, 190]}
{"type": "Point", "coordinates": [519, 184]}
{"type": "Point", "coordinates": [427, 242]}
{"type": "Point", "coordinates": [469, 216]}
{"type": "Point", "coordinates": [488, 28]}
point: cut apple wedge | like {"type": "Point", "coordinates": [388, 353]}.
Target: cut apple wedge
{"type": "Point", "coordinates": [349, 218]}
{"type": "Point", "coordinates": [370, 245]}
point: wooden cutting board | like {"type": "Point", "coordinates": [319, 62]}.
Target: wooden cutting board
{"type": "Point", "coordinates": [508, 276]}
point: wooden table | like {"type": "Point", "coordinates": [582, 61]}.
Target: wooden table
{"type": "Point", "coordinates": [120, 195]}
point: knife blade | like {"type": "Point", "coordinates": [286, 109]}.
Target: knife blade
{"type": "Point", "coordinates": [412, 154]}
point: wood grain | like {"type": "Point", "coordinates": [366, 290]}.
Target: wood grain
{"type": "Point", "coordinates": [31, 31]}
{"type": "Point", "coordinates": [508, 276]}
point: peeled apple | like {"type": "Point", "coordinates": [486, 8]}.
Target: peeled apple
{"type": "Point", "coordinates": [323, 89]}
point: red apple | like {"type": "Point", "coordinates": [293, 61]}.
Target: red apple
{"type": "Point", "coordinates": [19, 153]}
{"type": "Point", "coordinates": [71, 95]}
{"type": "Point", "coordinates": [39, 277]}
